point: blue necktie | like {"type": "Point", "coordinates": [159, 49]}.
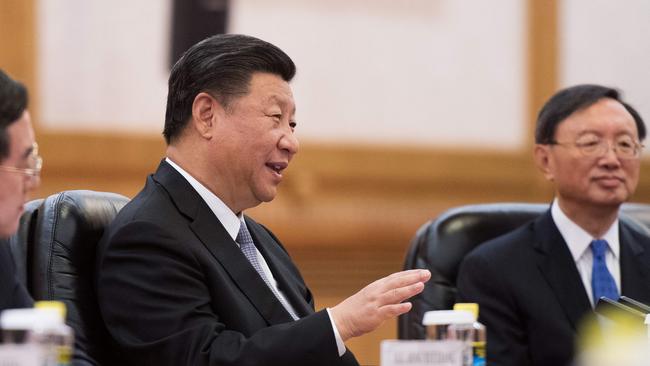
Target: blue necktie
{"type": "Point", "coordinates": [602, 282]}
{"type": "Point", "coordinates": [247, 246]}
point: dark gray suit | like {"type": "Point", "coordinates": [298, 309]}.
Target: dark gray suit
{"type": "Point", "coordinates": [530, 293]}
{"type": "Point", "coordinates": [175, 289]}
{"type": "Point", "coordinates": [12, 293]}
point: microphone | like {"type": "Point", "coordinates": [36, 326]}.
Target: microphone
{"type": "Point", "coordinates": [635, 304]}
{"type": "Point", "coordinates": [618, 311]}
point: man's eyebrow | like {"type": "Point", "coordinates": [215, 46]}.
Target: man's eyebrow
{"type": "Point", "coordinates": [599, 133]}
{"type": "Point", "coordinates": [28, 152]}
{"type": "Point", "coordinates": [282, 101]}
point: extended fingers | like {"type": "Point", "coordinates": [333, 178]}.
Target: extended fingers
{"type": "Point", "coordinates": [393, 310]}
{"type": "Point", "coordinates": [381, 300]}
{"type": "Point", "coordinates": [396, 287]}
{"type": "Point", "coordinates": [399, 294]}
{"type": "Point", "coordinates": [403, 279]}
{"type": "Point", "coordinates": [423, 273]}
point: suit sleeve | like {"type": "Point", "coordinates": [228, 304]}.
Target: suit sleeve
{"type": "Point", "coordinates": [154, 301]}
{"type": "Point", "coordinates": [483, 282]}
{"type": "Point", "coordinates": [13, 293]}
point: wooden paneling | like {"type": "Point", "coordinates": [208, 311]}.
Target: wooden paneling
{"type": "Point", "coordinates": [372, 194]}
{"type": "Point", "coordinates": [543, 54]}
{"type": "Point", "coordinates": [332, 195]}
{"type": "Point", "coordinates": [18, 41]}
{"type": "Point", "coordinates": [345, 213]}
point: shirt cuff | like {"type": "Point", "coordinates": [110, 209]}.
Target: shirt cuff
{"type": "Point", "coordinates": [340, 345]}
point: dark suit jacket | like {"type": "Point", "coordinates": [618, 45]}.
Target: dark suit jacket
{"type": "Point", "coordinates": [12, 293]}
{"type": "Point", "coordinates": [530, 293]}
{"type": "Point", "coordinates": [174, 289]}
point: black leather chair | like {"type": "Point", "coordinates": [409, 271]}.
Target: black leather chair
{"type": "Point", "coordinates": [441, 244]}
{"type": "Point", "coordinates": [68, 226]}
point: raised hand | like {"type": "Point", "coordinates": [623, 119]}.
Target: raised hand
{"type": "Point", "coordinates": [383, 299]}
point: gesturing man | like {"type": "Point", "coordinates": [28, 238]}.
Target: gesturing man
{"type": "Point", "coordinates": [183, 276]}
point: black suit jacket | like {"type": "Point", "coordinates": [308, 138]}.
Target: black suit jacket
{"type": "Point", "coordinates": [530, 293]}
{"type": "Point", "coordinates": [12, 293]}
{"type": "Point", "coordinates": [175, 289]}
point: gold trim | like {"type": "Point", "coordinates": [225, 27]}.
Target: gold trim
{"type": "Point", "coordinates": [332, 194]}
{"type": "Point", "coordinates": [543, 55]}
{"type": "Point", "coordinates": [18, 40]}
{"type": "Point", "coordinates": [364, 192]}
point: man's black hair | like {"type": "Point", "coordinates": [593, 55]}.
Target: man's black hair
{"type": "Point", "coordinates": [13, 102]}
{"type": "Point", "coordinates": [569, 100]}
{"type": "Point", "coordinates": [221, 65]}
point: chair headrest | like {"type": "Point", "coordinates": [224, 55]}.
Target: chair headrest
{"type": "Point", "coordinates": [69, 226]}
{"type": "Point", "coordinates": [446, 241]}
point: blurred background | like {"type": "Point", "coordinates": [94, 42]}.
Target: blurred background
{"type": "Point", "coordinates": [405, 108]}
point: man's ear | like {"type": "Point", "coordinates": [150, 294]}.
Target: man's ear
{"type": "Point", "coordinates": [204, 114]}
{"type": "Point", "coordinates": [544, 161]}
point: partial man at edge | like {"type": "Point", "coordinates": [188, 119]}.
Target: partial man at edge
{"type": "Point", "coordinates": [19, 175]}
{"type": "Point", "coordinates": [535, 284]}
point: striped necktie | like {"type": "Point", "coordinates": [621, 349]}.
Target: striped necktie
{"type": "Point", "coordinates": [247, 246]}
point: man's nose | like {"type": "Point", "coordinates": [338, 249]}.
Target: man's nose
{"type": "Point", "coordinates": [610, 156]}
{"type": "Point", "coordinates": [32, 183]}
{"type": "Point", "coordinates": [289, 142]}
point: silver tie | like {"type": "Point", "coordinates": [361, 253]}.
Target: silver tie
{"type": "Point", "coordinates": [247, 246]}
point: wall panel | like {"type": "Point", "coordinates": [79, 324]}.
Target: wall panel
{"type": "Point", "coordinates": [346, 210]}
{"type": "Point", "coordinates": [346, 214]}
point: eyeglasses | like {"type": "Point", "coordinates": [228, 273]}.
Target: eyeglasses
{"type": "Point", "coordinates": [33, 170]}
{"type": "Point", "coordinates": [624, 148]}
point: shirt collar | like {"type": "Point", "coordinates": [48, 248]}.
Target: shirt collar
{"type": "Point", "coordinates": [577, 238]}
{"type": "Point", "coordinates": [230, 221]}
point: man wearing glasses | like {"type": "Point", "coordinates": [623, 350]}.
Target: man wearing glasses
{"type": "Point", "coordinates": [19, 174]}
{"type": "Point", "coordinates": [535, 284]}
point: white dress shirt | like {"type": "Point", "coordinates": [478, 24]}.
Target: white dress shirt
{"type": "Point", "coordinates": [579, 242]}
{"type": "Point", "coordinates": [232, 222]}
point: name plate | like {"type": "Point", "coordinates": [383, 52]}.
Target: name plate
{"type": "Point", "coordinates": [421, 353]}
{"type": "Point", "coordinates": [21, 355]}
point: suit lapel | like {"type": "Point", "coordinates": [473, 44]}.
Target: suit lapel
{"type": "Point", "coordinates": [280, 263]}
{"type": "Point", "coordinates": [634, 263]}
{"type": "Point", "coordinates": [557, 266]}
{"type": "Point", "coordinates": [216, 239]}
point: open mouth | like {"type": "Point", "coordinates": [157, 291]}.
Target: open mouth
{"type": "Point", "coordinates": [277, 167]}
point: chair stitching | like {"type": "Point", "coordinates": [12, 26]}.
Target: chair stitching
{"type": "Point", "coordinates": [50, 287]}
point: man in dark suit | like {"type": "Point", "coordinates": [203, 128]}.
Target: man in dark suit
{"type": "Point", "coordinates": [183, 276]}
{"type": "Point", "coordinates": [535, 284]}
{"type": "Point", "coordinates": [19, 175]}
